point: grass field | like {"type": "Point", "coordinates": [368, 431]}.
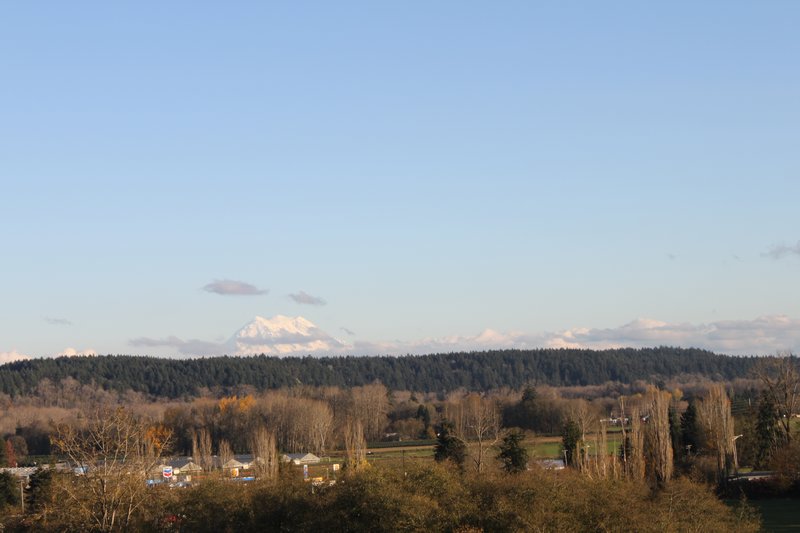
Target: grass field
{"type": "Point", "coordinates": [538, 448]}
{"type": "Point", "coordinates": [550, 447]}
{"type": "Point", "coordinates": [397, 453]}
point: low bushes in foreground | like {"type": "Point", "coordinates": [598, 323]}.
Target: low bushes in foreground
{"type": "Point", "coordinates": [425, 497]}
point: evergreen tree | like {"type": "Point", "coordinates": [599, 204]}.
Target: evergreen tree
{"type": "Point", "coordinates": [570, 439]}
{"type": "Point", "coordinates": [436, 372]}
{"type": "Point", "coordinates": [424, 414]}
{"type": "Point", "coordinates": [675, 432]}
{"type": "Point", "coordinates": [39, 494]}
{"type": "Point", "coordinates": [529, 394]}
{"type": "Point", "coordinates": [768, 432]}
{"type": "Point", "coordinates": [9, 490]}
{"type": "Point", "coordinates": [513, 454]}
{"type": "Point", "coordinates": [690, 429]}
{"type": "Point", "coordinates": [625, 449]}
{"type": "Point", "coordinates": [449, 447]}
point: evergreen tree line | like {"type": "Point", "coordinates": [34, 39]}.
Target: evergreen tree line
{"type": "Point", "coordinates": [442, 373]}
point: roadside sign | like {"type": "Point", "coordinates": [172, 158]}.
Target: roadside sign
{"type": "Point", "coordinates": [305, 471]}
{"type": "Point", "coordinates": [166, 472]}
{"type": "Point", "coordinates": [335, 467]}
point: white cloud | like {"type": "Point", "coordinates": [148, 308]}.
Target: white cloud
{"type": "Point", "coordinates": [304, 298]}
{"type": "Point", "coordinates": [57, 321]}
{"type": "Point", "coordinates": [781, 250]}
{"type": "Point", "coordinates": [760, 336]}
{"type": "Point", "coordinates": [13, 355]}
{"type": "Point", "coordinates": [763, 335]}
{"type": "Point", "coordinates": [195, 347]}
{"type": "Point", "coordinates": [229, 287]}
{"type": "Point", "coordinates": [72, 352]}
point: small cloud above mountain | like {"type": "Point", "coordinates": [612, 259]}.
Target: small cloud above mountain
{"type": "Point", "coordinates": [304, 298]}
{"type": "Point", "coordinates": [229, 287]}
{"type": "Point", "coordinates": [57, 321]}
{"type": "Point", "coordinates": [781, 251]}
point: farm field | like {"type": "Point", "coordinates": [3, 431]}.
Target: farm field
{"type": "Point", "coordinates": [539, 447]}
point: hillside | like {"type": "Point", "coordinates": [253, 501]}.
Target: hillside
{"type": "Point", "coordinates": [430, 373]}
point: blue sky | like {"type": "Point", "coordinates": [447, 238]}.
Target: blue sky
{"type": "Point", "coordinates": [429, 171]}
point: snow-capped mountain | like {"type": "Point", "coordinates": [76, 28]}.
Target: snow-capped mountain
{"type": "Point", "coordinates": [282, 335]}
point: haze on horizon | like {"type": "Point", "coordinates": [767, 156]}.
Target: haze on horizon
{"type": "Point", "coordinates": [405, 177]}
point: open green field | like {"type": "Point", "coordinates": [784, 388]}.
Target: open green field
{"type": "Point", "coordinates": [550, 447]}
{"type": "Point", "coordinates": [538, 448]}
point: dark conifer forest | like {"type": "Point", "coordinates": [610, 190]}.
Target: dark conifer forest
{"type": "Point", "coordinates": [476, 371]}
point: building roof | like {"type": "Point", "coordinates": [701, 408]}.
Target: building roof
{"type": "Point", "coordinates": [188, 466]}
{"type": "Point", "coordinates": [22, 471]}
{"type": "Point", "coordinates": [158, 469]}
{"type": "Point", "coordinates": [551, 464]}
{"type": "Point", "coordinates": [233, 463]}
{"type": "Point", "coordinates": [300, 458]}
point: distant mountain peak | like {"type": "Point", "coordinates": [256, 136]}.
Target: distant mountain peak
{"type": "Point", "coordinates": [283, 335]}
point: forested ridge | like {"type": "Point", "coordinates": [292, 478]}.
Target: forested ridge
{"type": "Point", "coordinates": [431, 373]}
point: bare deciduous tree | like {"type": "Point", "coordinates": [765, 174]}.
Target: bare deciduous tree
{"type": "Point", "coordinates": [370, 406]}
{"type": "Point", "coordinates": [225, 451]}
{"type": "Point", "coordinates": [265, 455]}
{"type": "Point", "coordinates": [584, 417]}
{"type": "Point", "coordinates": [455, 413]}
{"type": "Point", "coordinates": [195, 447]}
{"type": "Point", "coordinates": [482, 424]}
{"type": "Point", "coordinates": [114, 451]}
{"type": "Point", "coordinates": [203, 456]}
{"type": "Point", "coordinates": [320, 424]}
{"type": "Point", "coordinates": [714, 413]}
{"type": "Point", "coordinates": [657, 440]}
{"type": "Point", "coordinates": [635, 448]}
{"type": "Point", "coordinates": [355, 445]}
{"type": "Point", "coordinates": [605, 463]}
